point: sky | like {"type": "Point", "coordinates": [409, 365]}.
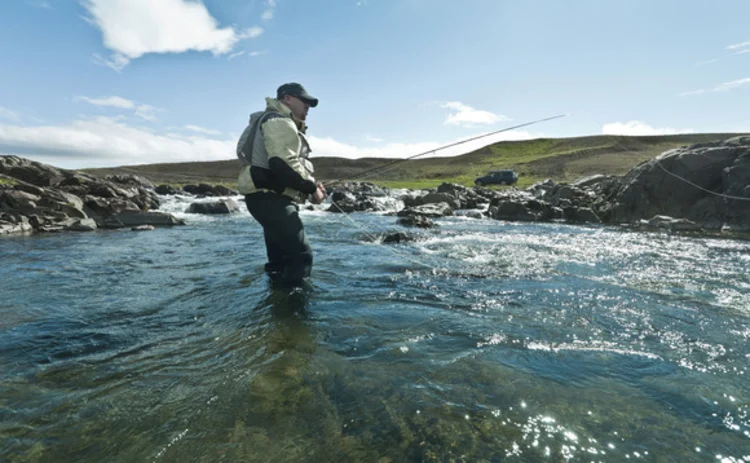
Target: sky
{"type": "Point", "coordinates": [102, 83]}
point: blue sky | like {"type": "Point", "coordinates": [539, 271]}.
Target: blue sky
{"type": "Point", "coordinates": [93, 83]}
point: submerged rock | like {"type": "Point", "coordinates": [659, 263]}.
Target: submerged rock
{"type": "Point", "coordinates": [398, 237]}
{"type": "Point", "coordinates": [416, 221]}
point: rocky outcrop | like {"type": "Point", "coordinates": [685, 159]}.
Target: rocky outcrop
{"type": "Point", "coordinates": [702, 187]}
{"type": "Point", "coordinates": [708, 184]}
{"type": "Point", "coordinates": [36, 197]}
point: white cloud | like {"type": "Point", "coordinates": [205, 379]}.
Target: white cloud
{"type": "Point", "coordinates": [235, 55]}
{"type": "Point", "coordinates": [708, 61]}
{"type": "Point", "coordinates": [329, 147]}
{"type": "Point", "coordinates": [133, 28]}
{"type": "Point", "coordinates": [724, 87]}
{"type": "Point", "coordinates": [467, 116]}
{"type": "Point", "coordinates": [108, 142]}
{"type": "Point", "coordinates": [258, 53]}
{"type": "Point", "coordinates": [6, 113]}
{"type": "Point", "coordinates": [268, 12]}
{"type": "Point", "coordinates": [738, 46]}
{"type": "Point", "coordinates": [638, 128]}
{"type": "Point", "coordinates": [113, 101]}
{"type": "Point", "coordinates": [199, 129]}
{"type": "Point", "coordinates": [116, 61]}
{"type": "Point", "coordinates": [144, 111]}
{"type": "Point", "coordinates": [373, 139]}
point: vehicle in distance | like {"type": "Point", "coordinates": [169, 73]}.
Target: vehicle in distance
{"type": "Point", "coordinates": [497, 177]}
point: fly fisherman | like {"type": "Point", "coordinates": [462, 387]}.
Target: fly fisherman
{"type": "Point", "coordinates": [277, 176]}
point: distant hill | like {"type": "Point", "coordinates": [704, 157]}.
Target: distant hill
{"type": "Point", "coordinates": [561, 159]}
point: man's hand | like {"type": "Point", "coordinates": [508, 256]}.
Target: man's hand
{"type": "Point", "coordinates": [320, 194]}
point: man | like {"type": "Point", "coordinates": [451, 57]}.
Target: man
{"type": "Point", "coordinates": [277, 177]}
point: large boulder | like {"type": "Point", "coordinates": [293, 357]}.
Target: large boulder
{"type": "Point", "coordinates": [704, 183]}
{"type": "Point", "coordinates": [136, 218]}
{"type": "Point", "coordinates": [83, 225]}
{"type": "Point", "coordinates": [28, 171]}
{"type": "Point", "coordinates": [166, 190]}
{"type": "Point", "coordinates": [227, 206]}
{"type": "Point", "coordinates": [513, 211]}
{"type": "Point", "coordinates": [436, 198]}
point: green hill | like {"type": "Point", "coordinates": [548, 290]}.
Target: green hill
{"type": "Point", "coordinates": [561, 159]}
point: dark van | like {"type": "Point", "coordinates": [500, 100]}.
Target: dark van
{"type": "Point", "coordinates": [497, 177]}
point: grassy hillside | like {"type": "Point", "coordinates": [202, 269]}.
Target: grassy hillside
{"type": "Point", "coordinates": [561, 159]}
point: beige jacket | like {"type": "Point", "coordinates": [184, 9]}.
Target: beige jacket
{"type": "Point", "coordinates": [279, 155]}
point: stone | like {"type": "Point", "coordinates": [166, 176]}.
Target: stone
{"type": "Point", "coordinates": [227, 206]}
{"type": "Point", "coordinates": [427, 210]}
{"type": "Point", "coordinates": [83, 225]}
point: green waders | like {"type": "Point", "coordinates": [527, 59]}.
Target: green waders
{"type": "Point", "coordinates": [290, 257]}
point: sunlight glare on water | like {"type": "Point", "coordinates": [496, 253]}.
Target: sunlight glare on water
{"type": "Point", "coordinates": [480, 340]}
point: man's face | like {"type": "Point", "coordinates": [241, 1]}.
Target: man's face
{"type": "Point", "coordinates": [299, 107]}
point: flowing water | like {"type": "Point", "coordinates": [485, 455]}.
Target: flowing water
{"type": "Point", "coordinates": [481, 341]}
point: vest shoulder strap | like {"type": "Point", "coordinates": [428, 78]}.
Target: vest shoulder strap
{"type": "Point", "coordinates": [247, 147]}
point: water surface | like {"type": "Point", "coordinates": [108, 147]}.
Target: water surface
{"type": "Point", "coordinates": [482, 341]}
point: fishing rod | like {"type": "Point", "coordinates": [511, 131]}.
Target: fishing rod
{"type": "Point", "coordinates": [375, 169]}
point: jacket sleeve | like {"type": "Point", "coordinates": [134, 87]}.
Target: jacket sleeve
{"type": "Point", "coordinates": [283, 145]}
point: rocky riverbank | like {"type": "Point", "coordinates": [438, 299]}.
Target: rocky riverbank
{"type": "Point", "coordinates": [36, 197]}
{"type": "Point", "coordinates": [698, 188]}
{"type": "Point", "coordinates": [703, 188]}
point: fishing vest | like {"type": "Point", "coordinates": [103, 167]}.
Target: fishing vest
{"type": "Point", "coordinates": [251, 147]}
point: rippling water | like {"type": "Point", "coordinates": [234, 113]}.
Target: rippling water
{"type": "Point", "coordinates": [482, 341]}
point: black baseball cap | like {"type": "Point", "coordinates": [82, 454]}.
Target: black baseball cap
{"type": "Point", "coordinates": [295, 89]}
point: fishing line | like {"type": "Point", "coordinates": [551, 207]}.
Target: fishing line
{"type": "Point", "coordinates": [373, 170]}
{"type": "Point", "coordinates": [658, 163]}
{"type": "Point", "coordinates": [384, 168]}
{"type": "Point", "coordinates": [375, 239]}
